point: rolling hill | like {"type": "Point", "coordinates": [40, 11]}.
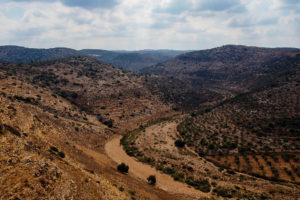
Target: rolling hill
{"type": "Point", "coordinates": [234, 68]}
{"type": "Point", "coordinates": [132, 60]}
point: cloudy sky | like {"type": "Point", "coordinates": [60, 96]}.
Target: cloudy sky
{"type": "Point", "coordinates": [149, 24]}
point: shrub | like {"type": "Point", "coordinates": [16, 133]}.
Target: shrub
{"type": "Point", "coordinates": [61, 154]}
{"type": "Point", "coordinates": [109, 123]}
{"type": "Point", "coordinates": [52, 148]}
{"type": "Point", "coordinates": [200, 184]}
{"type": "Point", "coordinates": [151, 179]}
{"type": "Point", "coordinates": [179, 143]}
{"type": "Point", "coordinates": [223, 192]}
{"type": "Point", "coordinates": [12, 130]}
{"type": "Point", "coordinates": [123, 168]}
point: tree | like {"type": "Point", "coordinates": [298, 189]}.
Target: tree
{"type": "Point", "coordinates": [123, 168]}
{"type": "Point", "coordinates": [179, 143]}
{"type": "Point", "coordinates": [151, 179]}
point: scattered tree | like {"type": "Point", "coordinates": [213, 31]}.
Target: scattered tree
{"type": "Point", "coordinates": [123, 168]}
{"type": "Point", "coordinates": [179, 143]}
{"type": "Point", "coordinates": [151, 179]}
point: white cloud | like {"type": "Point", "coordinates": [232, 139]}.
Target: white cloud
{"type": "Point", "coordinates": [140, 24]}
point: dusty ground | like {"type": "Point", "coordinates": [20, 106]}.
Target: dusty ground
{"type": "Point", "coordinates": [115, 151]}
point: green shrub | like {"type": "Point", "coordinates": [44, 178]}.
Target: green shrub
{"type": "Point", "coordinates": [109, 123]}
{"type": "Point", "coordinates": [61, 154]}
{"type": "Point", "coordinates": [223, 192]}
{"type": "Point", "coordinates": [200, 184]}
{"type": "Point", "coordinates": [179, 143]}
{"type": "Point", "coordinates": [151, 180]}
{"type": "Point", "coordinates": [52, 148]}
{"type": "Point", "coordinates": [123, 168]}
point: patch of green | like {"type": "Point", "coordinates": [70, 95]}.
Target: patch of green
{"type": "Point", "coordinates": [200, 184]}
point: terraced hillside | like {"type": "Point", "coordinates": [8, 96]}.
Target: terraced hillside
{"type": "Point", "coordinates": [257, 132]}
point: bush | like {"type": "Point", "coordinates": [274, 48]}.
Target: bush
{"type": "Point", "coordinates": [200, 184]}
{"type": "Point", "coordinates": [61, 154]}
{"type": "Point", "coordinates": [123, 168]}
{"type": "Point", "coordinates": [12, 130]}
{"type": "Point", "coordinates": [223, 192]}
{"type": "Point", "coordinates": [52, 148]}
{"type": "Point", "coordinates": [179, 143]}
{"type": "Point", "coordinates": [151, 179]}
{"type": "Point", "coordinates": [109, 123]}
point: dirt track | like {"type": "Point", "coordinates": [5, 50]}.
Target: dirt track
{"type": "Point", "coordinates": [115, 151]}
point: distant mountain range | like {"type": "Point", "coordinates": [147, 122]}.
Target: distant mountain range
{"type": "Point", "coordinates": [132, 60]}
{"type": "Point", "coordinates": [128, 60]}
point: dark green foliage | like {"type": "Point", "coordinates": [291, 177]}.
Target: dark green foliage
{"type": "Point", "coordinates": [123, 168]}
{"type": "Point", "coordinates": [151, 180]}
{"type": "Point", "coordinates": [55, 151]}
{"type": "Point", "coordinates": [200, 184]}
{"type": "Point", "coordinates": [275, 172]}
{"type": "Point", "coordinates": [1, 128]}
{"type": "Point", "coordinates": [109, 123]}
{"type": "Point", "coordinates": [61, 154]}
{"type": "Point", "coordinates": [179, 143]}
{"type": "Point", "coordinates": [288, 157]}
{"type": "Point", "coordinates": [168, 170]}
{"type": "Point", "coordinates": [26, 100]}
{"type": "Point", "coordinates": [52, 148]}
{"type": "Point", "coordinates": [223, 192]}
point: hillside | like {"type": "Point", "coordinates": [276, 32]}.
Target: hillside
{"type": "Point", "coordinates": [234, 68]}
{"type": "Point", "coordinates": [16, 54]}
{"type": "Point", "coordinates": [128, 60]}
{"type": "Point", "coordinates": [260, 125]}
{"type": "Point", "coordinates": [57, 116]}
{"type": "Point", "coordinates": [250, 141]}
{"type": "Point", "coordinates": [55, 119]}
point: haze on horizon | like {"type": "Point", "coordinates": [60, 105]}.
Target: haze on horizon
{"type": "Point", "coordinates": [149, 24]}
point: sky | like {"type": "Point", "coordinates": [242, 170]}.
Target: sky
{"type": "Point", "coordinates": [149, 24]}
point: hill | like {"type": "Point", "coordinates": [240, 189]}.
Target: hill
{"type": "Point", "coordinates": [16, 54]}
{"type": "Point", "coordinates": [233, 68]}
{"type": "Point", "coordinates": [54, 120]}
{"type": "Point", "coordinates": [128, 60]}
{"type": "Point", "coordinates": [260, 125]}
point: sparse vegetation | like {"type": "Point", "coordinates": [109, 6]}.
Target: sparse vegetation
{"type": "Point", "coordinates": [151, 180]}
{"type": "Point", "coordinates": [123, 168]}
{"type": "Point", "coordinates": [179, 143]}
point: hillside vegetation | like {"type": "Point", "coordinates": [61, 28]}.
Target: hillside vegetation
{"type": "Point", "coordinates": [260, 125]}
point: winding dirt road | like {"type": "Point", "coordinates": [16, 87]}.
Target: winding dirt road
{"type": "Point", "coordinates": [115, 151]}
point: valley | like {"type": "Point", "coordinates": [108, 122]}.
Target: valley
{"type": "Point", "coordinates": [212, 124]}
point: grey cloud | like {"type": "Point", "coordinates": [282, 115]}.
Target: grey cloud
{"type": "Point", "coordinates": [90, 4]}
{"type": "Point", "coordinates": [244, 23]}
{"type": "Point", "coordinates": [180, 6]}
{"type": "Point", "coordinates": [291, 1]}
{"type": "Point", "coordinates": [87, 4]}
{"type": "Point", "coordinates": [217, 5]}
{"type": "Point", "coordinates": [175, 7]}
{"type": "Point", "coordinates": [270, 21]}
{"type": "Point", "coordinates": [238, 23]}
